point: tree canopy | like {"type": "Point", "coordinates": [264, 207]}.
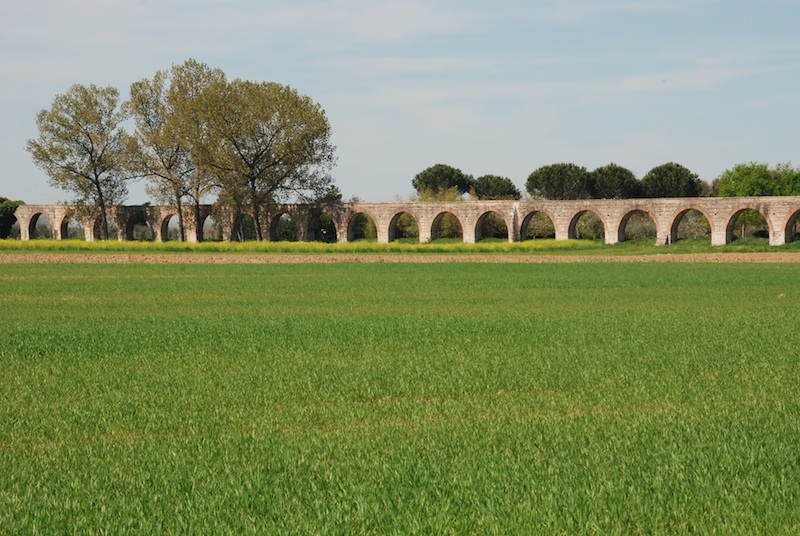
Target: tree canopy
{"type": "Point", "coordinates": [164, 148]}
{"type": "Point", "coordinates": [614, 182]}
{"type": "Point", "coordinates": [671, 180]}
{"type": "Point", "coordinates": [267, 143]}
{"type": "Point", "coordinates": [81, 146]}
{"type": "Point", "coordinates": [560, 181]}
{"type": "Point", "coordinates": [495, 187]}
{"type": "Point", "coordinates": [441, 178]}
{"type": "Point", "coordinates": [756, 179]}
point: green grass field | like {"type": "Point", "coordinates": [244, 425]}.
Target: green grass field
{"type": "Point", "coordinates": [400, 398]}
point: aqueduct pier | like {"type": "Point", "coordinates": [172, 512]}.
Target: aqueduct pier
{"type": "Point", "coordinates": [780, 213]}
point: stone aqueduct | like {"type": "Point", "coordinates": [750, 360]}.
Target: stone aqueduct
{"type": "Point", "coordinates": [780, 213]}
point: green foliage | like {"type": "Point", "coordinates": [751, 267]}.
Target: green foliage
{"type": "Point", "coordinates": [757, 179]}
{"type": "Point", "coordinates": [671, 180]}
{"type": "Point", "coordinates": [441, 178]}
{"type": "Point", "coordinates": [614, 182]}
{"type": "Point", "coordinates": [165, 148]}
{"type": "Point", "coordinates": [81, 146]}
{"type": "Point", "coordinates": [560, 181]}
{"type": "Point", "coordinates": [495, 187]}
{"type": "Point", "coordinates": [398, 399]}
{"type": "Point", "coordinates": [266, 143]}
{"type": "Point", "coordinates": [7, 218]}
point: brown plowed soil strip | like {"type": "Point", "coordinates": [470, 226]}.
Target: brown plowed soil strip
{"type": "Point", "coordinates": [196, 258]}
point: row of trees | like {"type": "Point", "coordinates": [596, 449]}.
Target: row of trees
{"type": "Point", "coordinates": [570, 181]}
{"type": "Point", "coordinates": [196, 135]}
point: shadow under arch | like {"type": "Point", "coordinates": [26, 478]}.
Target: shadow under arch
{"type": "Point", "coordinates": [691, 222]}
{"type": "Point", "coordinates": [282, 228]}
{"type": "Point", "coordinates": [138, 228]}
{"type": "Point", "coordinates": [637, 224]}
{"type": "Point", "coordinates": [403, 226]}
{"type": "Point", "coordinates": [491, 224]}
{"type": "Point", "coordinates": [791, 229]}
{"type": "Point", "coordinates": [586, 224]}
{"type": "Point", "coordinates": [736, 227]}
{"type": "Point", "coordinates": [322, 228]}
{"type": "Point", "coordinates": [446, 225]}
{"type": "Point", "coordinates": [40, 226]}
{"type": "Point", "coordinates": [537, 224]}
{"type": "Point", "coordinates": [171, 228]}
{"type": "Point", "coordinates": [72, 228]}
{"type": "Point", "coordinates": [361, 226]}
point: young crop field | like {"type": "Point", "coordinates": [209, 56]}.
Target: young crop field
{"type": "Point", "coordinates": [400, 398]}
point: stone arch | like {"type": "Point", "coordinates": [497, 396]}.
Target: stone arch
{"type": "Point", "coordinates": [543, 222]}
{"type": "Point", "coordinates": [731, 224]}
{"type": "Point", "coordinates": [169, 225]}
{"type": "Point", "coordinates": [40, 229]}
{"type": "Point", "coordinates": [283, 227]}
{"type": "Point", "coordinates": [447, 225]}
{"type": "Point", "coordinates": [636, 213]}
{"type": "Point", "coordinates": [138, 227]}
{"type": "Point", "coordinates": [676, 221]}
{"type": "Point", "coordinates": [403, 225]}
{"type": "Point", "coordinates": [790, 229]}
{"type": "Point", "coordinates": [12, 231]}
{"type": "Point", "coordinates": [361, 225]}
{"type": "Point", "coordinates": [209, 229]}
{"type": "Point", "coordinates": [72, 228]}
{"type": "Point", "coordinates": [573, 231]}
{"type": "Point", "coordinates": [492, 223]}
{"type": "Point", "coordinates": [322, 228]}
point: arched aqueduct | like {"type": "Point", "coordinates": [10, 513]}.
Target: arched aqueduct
{"type": "Point", "coordinates": [780, 213]}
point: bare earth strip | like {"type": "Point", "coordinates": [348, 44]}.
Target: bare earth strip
{"type": "Point", "coordinates": [193, 258]}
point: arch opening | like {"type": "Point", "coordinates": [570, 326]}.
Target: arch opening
{"type": "Point", "coordinates": [446, 226]}
{"type": "Point", "coordinates": [323, 229]}
{"type": "Point", "coordinates": [210, 230]}
{"type": "Point", "coordinates": [638, 226]}
{"type": "Point", "coordinates": [403, 228]}
{"type": "Point", "coordinates": [99, 230]}
{"type": "Point", "coordinates": [793, 227]}
{"type": "Point", "coordinates": [586, 225]}
{"type": "Point", "coordinates": [537, 225]}
{"type": "Point", "coordinates": [747, 224]}
{"type": "Point", "coordinates": [72, 228]}
{"type": "Point", "coordinates": [362, 227]}
{"type": "Point", "coordinates": [691, 224]}
{"type": "Point", "coordinates": [171, 228]}
{"type": "Point", "coordinates": [283, 228]}
{"type": "Point", "coordinates": [491, 226]}
{"type": "Point", "coordinates": [138, 228]}
{"type": "Point", "coordinates": [41, 228]}
{"type": "Point", "coordinates": [10, 229]}
{"type": "Point", "coordinates": [244, 228]}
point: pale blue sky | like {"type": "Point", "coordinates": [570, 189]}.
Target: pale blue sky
{"type": "Point", "coordinates": [499, 87]}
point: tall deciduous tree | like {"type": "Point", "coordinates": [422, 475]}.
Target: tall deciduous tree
{"type": "Point", "coordinates": [615, 182]}
{"type": "Point", "coordinates": [81, 146]}
{"type": "Point", "coordinates": [167, 114]}
{"type": "Point", "coordinates": [671, 180]}
{"type": "Point", "coordinates": [267, 143]}
{"type": "Point", "coordinates": [560, 181]}
{"type": "Point", "coordinates": [495, 187]}
{"type": "Point", "coordinates": [441, 178]}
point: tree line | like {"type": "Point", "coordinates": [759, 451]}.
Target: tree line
{"type": "Point", "coordinates": [571, 181]}
{"type": "Point", "coordinates": [196, 134]}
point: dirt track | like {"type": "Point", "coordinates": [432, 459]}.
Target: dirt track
{"type": "Point", "coordinates": [200, 258]}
